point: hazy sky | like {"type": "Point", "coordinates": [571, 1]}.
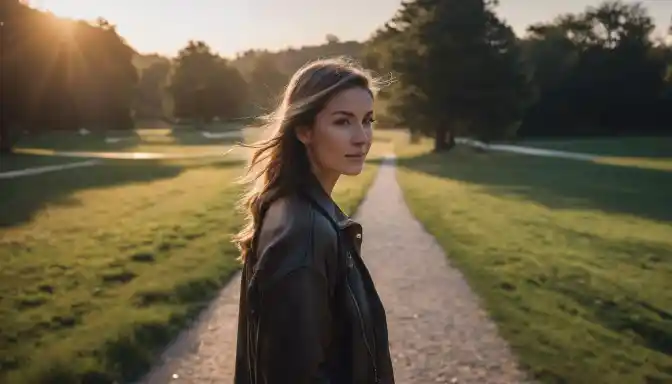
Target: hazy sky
{"type": "Point", "coordinates": [230, 26]}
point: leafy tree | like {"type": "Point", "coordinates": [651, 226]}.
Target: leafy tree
{"type": "Point", "coordinates": [205, 86]}
{"type": "Point", "coordinates": [266, 82]}
{"type": "Point", "coordinates": [61, 74]}
{"type": "Point", "coordinates": [332, 39]}
{"type": "Point", "coordinates": [595, 73]}
{"type": "Point", "coordinates": [458, 66]}
{"type": "Point", "coordinates": [152, 90]}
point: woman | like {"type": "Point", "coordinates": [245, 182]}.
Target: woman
{"type": "Point", "coordinates": [309, 311]}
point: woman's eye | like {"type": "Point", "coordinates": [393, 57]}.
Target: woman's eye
{"type": "Point", "coordinates": [342, 122]}
{"type": "Point", "coordinates": [369, 121]}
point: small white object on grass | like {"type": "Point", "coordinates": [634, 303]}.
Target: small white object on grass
{"type": "Point", "coordinates": [221, 135]}
{"type": "Point", "coordinates": [48, 168]}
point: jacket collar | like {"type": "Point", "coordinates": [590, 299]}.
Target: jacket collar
{"type": "Point", "coordinates": [326, 204]}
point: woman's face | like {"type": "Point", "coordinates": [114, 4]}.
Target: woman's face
{"type": "Point", "coordinates": [341, 137]}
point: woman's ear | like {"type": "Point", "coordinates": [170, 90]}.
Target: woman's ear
{"type": "Point", "coordinates": [304, 134]}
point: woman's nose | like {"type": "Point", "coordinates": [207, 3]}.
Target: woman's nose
{"type": "Point", "coordinates": [360, 135]}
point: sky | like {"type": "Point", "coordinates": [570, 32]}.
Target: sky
{"type": "Point", "coordinates": [232, 26]}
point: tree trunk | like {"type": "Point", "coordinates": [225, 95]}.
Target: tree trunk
{"type": "Point", "coordinates": [414, 137]}
{"type": "Point", "coordinates": [5, 139]}
{"type": "Point", "coordinates": [444, 139]}
{"type": "Point", "coordinates": [449, 138]}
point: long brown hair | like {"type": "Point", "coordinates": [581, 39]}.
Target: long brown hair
{"type": "Point", "coordinates": [279, 163]}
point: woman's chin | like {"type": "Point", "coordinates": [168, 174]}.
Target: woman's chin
{"type": "Point", "coordinates": [353, 170]}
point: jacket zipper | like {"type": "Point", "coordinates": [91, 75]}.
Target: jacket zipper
{"type": "Point", "coordinates": [361, 323]}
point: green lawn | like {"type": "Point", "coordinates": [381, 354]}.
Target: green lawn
{"type": "Point", "coordinates": [572, 259]}
{"type": "Point", "coordinates": [102, 266]}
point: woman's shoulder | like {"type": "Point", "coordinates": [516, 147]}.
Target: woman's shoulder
{"type": "Point", "coordinates": [294, 215]}
{"type": "Point", "coordinates": [294, 235]}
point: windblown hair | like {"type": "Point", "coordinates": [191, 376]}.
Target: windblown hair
{"type": "Point", "coordinates": [279, 164]}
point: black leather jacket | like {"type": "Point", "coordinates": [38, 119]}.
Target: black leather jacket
{"type": "Point", "coordinates": [309, 311]}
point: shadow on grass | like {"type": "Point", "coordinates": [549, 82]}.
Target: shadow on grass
{"type": "Point", "coordinates": [22, 197]}
{"type": "Point", "coordinates": [556, 183]}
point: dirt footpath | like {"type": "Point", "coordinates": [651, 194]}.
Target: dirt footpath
{"type": "Point", "coordinates": [438, 332]}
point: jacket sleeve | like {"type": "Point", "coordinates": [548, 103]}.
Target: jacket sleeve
{"type": "Point", "coordinates": [294, 313]}
{"type": "Point", "coordinates": [294, 329]}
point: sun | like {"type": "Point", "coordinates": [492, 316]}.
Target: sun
{"type": "Point", "coordinates": [67, 30]}
{"type": "Point", "coordinates": [64, 28]}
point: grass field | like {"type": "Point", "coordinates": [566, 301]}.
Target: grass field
{"type": "Point", "coordinates": [102, 266]}
{"type": "Point", "coordinates": [572, 259]}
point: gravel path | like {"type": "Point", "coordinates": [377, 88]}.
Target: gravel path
{"type": "Point", "coordinates": [438, 333]}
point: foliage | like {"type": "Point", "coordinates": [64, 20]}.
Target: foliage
{"type": "Point", "coordinates": [90, 78]}
{"type": "Point", "coordinates": [597, 73]}
{"type": "Point", "coordinates": [152, 97]}
{"type": "Point", "coordinates": [62, 74]}
{"type": "Point", "coordinates": [204, 85]}
{"type": "Point", "coordinates": [289, 60]}
{"type": "Point", "coordinates": [266, 83]}
{"type": "Point", "coordinates": [458, 68]}
{"type": "Point", "coordinates": [462, 71]}
{"type": "Point", "coordinates": [267, 72]}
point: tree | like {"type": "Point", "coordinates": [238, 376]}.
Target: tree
{"type": "Point", "coordinates": [205, 86]}
{"type": "Point", "coordinates": [228, 90]}
{"type": "Point", "coordinates": [595, 73]}
{"type": "Point", "coordinates": [266, 82]}
{"type": "Point", "coordinates": [151, 93]}
{"type": "Point", "coordinates": [332, 39]}
{"type": "Point", "coordinates": [61, 74]}
{"type": "Point", "coordinates": [458, 66]}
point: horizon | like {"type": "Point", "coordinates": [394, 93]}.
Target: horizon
{"type": "Point", "coordinates": [229, 32]}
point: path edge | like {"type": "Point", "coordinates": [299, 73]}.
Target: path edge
{"type": "Point", "coordinates": [527, 375]}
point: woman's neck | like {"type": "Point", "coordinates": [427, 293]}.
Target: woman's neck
{"type": "Point", "coordinates": [326, 179]}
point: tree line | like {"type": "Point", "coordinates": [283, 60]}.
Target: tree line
{"type": "Point", "coordinates": [461, 70]}
{"type": "Point", "coordinates": [59, 74]}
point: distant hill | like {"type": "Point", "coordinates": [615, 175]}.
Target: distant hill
{"type": "Point", "coordinates": [289, 60]}
{"type": "Point", "coordinates": [286, 60]}
{"type": "Point", "coordinates": [144, 61]}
